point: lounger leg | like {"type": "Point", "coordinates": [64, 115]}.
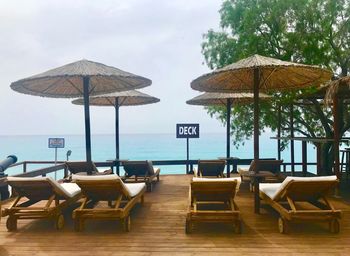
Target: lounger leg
{"type": "Point", "coordinates": [79, 224]}
{"type": "Point", "coordinates": [59, 222]}
{"type": "Point", "coordinates": [189, 226]}
{"type": "Point", "coordinates": [126, 223]}
{"type": "Point", "coordinates": [11, 223]}
{"type": "Point", "coordinates": [334, 226]}
{"type": "Point", "coordinates": [238, 226]}
{"type": "Point", "coordinates": [282, 225]}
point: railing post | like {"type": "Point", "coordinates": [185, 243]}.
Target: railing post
{"type": "Point", "coordinates": [24, 167]}
{"type": "Point", "coordinates": [65, 171]}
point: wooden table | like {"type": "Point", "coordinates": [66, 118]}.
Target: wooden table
{"type": "Point", "coordinates": [228, 160]}
{"type": "Point", "coordinates": [257, 177]}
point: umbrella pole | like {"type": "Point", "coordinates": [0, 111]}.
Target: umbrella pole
{"type": "Point", "coordinates": [116, 105]}
{"type": "Point", "coordinates": [256, 140]}
{"type": "Point", "coordinates": [256, 113]}
{"type": "Point", "coordinates": [228, 122]}
{"type": "Point", "coordinates": [86, 84]}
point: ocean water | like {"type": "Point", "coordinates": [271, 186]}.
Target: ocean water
{"type": "Point", "coordinates": [140, 147]}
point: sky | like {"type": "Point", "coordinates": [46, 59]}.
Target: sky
{"type": "Point", "coordinates": [157, 39]}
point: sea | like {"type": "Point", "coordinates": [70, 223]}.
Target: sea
{"type": "Point", "coordinates": [139, 147]}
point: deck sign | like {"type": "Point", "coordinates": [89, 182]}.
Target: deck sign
{"type": "Point", "coordinates": [184, 131]}
{"type": "Point", "coordinates": [187, 131]}
{"type": "Point", "coordinates": [56, 142]}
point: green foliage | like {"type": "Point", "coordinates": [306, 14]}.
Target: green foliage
{"type": "Point", "coordinates": [308, 31]}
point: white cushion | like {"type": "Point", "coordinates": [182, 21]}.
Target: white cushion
{"type": "Point", "coordinates": [95, 177]}
{"type": "Point", "coordinates": [269, 189]}
{"type": "Point", "coordinates": [71, 188]}
{"type": "Point", "coordinates": [63, 190]}
{"type": "Point", "coordinates": [238, 179]}
{"type": "Point", "coordinates": [287, 180]}
{"type": "Point", "coordinates": [129, 188]}
{"type": "Point", "coordinates": [134, 188]}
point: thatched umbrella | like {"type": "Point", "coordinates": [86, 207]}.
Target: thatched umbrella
{"type": "Point", "coordinates": [337, 89]}
{"type": "Point", "coordinates": [259, 73]}
{"type": "Point", "coordinates": [77, 79]}
{"type": "Point", "coordinates": [225, 99]}
{"type": "Point", "coordinates": [116, 100]}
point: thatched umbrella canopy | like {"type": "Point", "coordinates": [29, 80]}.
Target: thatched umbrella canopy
{"type": "Point", "coordinates": [225, 99]}
{"type": "Point", "coordinates": [259, 73]}
{"type": "Point", "coordinates": [339, 88]}
{"type": "Point", "coordinates": [116, 100]}
{"type": "Point", "coordinates": [77, 79]}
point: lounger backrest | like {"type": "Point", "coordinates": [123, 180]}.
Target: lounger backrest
{"type": "Point", "coordinates": [213, 189]}
{"type": "Point", "coordinates": [270, 165]}
{"type": "Point", "coordinates": [102, 187]}
{"type": "Point", "coordinates": [306, 188]}
{"type": "Point", "coordinates": [37, 188]}
{"type": "Point", "coordinates": [81, 166]}
{"type": "Point", "coordinates": [213, 168]}
{"type": "Point", "coordinates": [138, 168]}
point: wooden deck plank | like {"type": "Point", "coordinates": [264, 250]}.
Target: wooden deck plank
{"type": "Point", "coordinates": [158, 228]}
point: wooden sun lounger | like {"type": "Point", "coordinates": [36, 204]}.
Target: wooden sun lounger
{"type": "Point", "coordinates": [210, 168]}
{"type": "Point", "coordinates": [81, 167]}
{"type": "Point", "coordinates": [218, 194]}
{"type": "Point", "coordinates": [141, 171]}
{"type": "Point", "coordinates": [40, 189]}
{"type": "Point", "coordinates": [269, 167]}
{"type": "Point", "coordinates": [107, 188]}
{"type": "Point", "coordinates": [283, 197]}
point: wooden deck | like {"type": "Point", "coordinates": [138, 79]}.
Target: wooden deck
{"type": "Point", "coordinates": [158, 229]}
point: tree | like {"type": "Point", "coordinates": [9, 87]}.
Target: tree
{"type": "Point", "coordinates": [313, 32]}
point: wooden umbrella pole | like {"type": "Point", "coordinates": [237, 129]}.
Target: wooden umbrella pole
{"type": "Point", "coordinates": [291, 120]}
{"type": "Point", "coordinates": [256, 113]}
{"type": "Point", "coordinates": [116, 105]}
{"type": "Point", "coordinates": [86, 85]}
{"type": "Point", "coordinates": [256, 140]}
{"type": "Point", "coordinates": [228, 135]}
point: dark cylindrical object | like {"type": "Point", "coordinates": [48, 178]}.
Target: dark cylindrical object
{"type": "Point", "coordinates": [86, 84]}
{"type": "Point", "coordinates": [228, 133]}
{"type": "Point", "coordinates": [4, 164]}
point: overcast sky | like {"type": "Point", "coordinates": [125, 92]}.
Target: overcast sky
{"type": "Point", "coordinates": [158, 39]}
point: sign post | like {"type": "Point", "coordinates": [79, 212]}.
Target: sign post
{"type": "Point", "coordinates": [56, 143]}
{"type": "Point", "coordinates": [187, 131]}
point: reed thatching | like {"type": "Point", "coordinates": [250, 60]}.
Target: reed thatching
{"type": "Point", "coordinates": [126, 98]}
{"type": "Point", "coordinates": [67, 82]}
{"type": "Point", "coordinates": [338, 88]}
{"type": "Point", "coordinates": [211, 98]}
{"type": "Point", "coordinates": [274, 75]}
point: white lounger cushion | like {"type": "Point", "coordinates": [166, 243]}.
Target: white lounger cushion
{"type": "Point", "coordinates": [269, 189]}
{"type": "Point", "coordinates": [133, 189]}
{"type": "Point", "coordinates": [274, 189]}
{"type": "Point", "coordinates": [67, 190]}
{"type": "Point", "coordinates": [197, 179]}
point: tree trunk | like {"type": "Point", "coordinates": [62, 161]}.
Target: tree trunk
{"type": "Point", "coordinates": [327, 158]}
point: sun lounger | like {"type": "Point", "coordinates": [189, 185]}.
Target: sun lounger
{"type": "Point", "coordinates": [107, 188]}
{"type": "Point", "coordinates": [270, 168]}
{"type": "Point", "coordinates": [212, 200]}
{"type": "Point", "coordinates": [40, 189]}
{"type": "Point", "coordinates": [210, 168]}
{"type": "Point", "coordinates": [83, 167]}
{"type": "Point", "coordinates": [285, 198]}
{"type": "Point", "coordinates": [141, 171]}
